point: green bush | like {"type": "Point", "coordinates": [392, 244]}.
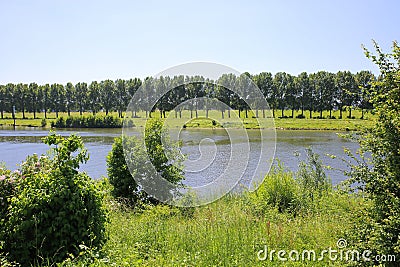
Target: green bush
{"type": "Point", "coordinates": [90, 121]}
{"type": "Point", "coordinates": [7, 189]}
{"type": "Point", "coordinates": [377, 173]}
{"type": "Point", "coordinates": [293, 192]}
{"type": "Point", "coordinates": [279, 190]}
{"type": "Point", "coordinates": [124, 185]}
{"type": "Point", "coordinates": [54, 207]}
{"type": "Point", "coordinates": [311, 176]}
{"type": "Point", "coordinates": [165, 157]}
{"type": "Point", "coordinates": [43, 123]}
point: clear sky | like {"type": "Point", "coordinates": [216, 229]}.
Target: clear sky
{"type": "Point", "coordinates": [61, 41]}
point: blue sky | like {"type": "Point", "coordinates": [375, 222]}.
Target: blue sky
{"type": "Point", "coordinates": [61, 41]}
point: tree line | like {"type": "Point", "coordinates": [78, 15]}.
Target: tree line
{"type": "Point", "coordinates": [315, 92]}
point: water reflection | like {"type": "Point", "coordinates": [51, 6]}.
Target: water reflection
{"type": "Point", "coordinates": [15, 145]}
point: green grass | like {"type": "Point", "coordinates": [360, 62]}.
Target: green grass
{"type": "Point", "coordinates": [225, 233]}
{"type": "Point", "coordinates": [201, 122]}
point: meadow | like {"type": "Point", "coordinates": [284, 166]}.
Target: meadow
{"type": "Point", "coordinates": [324, 123]}
{"type": "Point", "coordinates": [229, 232]}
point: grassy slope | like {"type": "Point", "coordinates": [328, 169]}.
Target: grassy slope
{"type": "Point", "coordinates": [224, 233]}
{"type": "Point", "coordinates": [285, 123]}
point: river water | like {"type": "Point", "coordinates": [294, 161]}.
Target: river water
{"type": "Point", "coordinates": [17, 144]}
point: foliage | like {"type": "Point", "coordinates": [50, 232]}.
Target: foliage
{"type": "Point", "coordinates": [7, 190]}
{"type": "Point", "coordinates": [54, 208]}
{"type": "Point", "coordinates": [293, 192]}
{"type": "Point", "coordinates": [90, 121]}
{"type": "Point", "coordinates": [279, 190]}
{"type": "Point", "coordinates": [164, 156]}
{"type": "Point", "coordinates": [312, 177]}
{"type": "Point", "coordinates": [43, 122]}
{"type": "Point", "coordinates": [124, 185]}
{"type": "Point", "coordinates": [378, 171]}
{"type": "Point", "coordinates": [4, 262]}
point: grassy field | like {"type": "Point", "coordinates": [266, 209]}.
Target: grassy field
{"type": "Point", "coordinates": [225, 233]}
{"type": "Point", "coordinates": [200, 122]}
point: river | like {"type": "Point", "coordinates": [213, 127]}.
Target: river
{"type": "Point", "coordinates": [17, 144]}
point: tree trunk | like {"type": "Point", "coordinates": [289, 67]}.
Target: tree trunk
{"type": "Point", "coordinates": [330, 113]}
{"type": "Point", "coordinates": [69, 112]}
{"type": "Point", "coordinates": [176, 114]}
{"type": "Point", "coordinates": [191, 113]}
{"type": "Point", "coordinates": [239, 113]}
{"type": "Point", "coordinates": [180, 114]}
{"type": "Point", "coordinates": [256, 113]}
{"type": "Point", "coordinates": [320, 114]}
{"type": "Point", "coordinates": [292, 113]}
{"type": "Point", "coordinates": [164, 113]}
{"type": "Point", "coordinates": [229, 113]}
{"type": "Point", "coordinates": [282, 112]}
{"type": "Point", "coordinates": [45, 114]}
{"type": "Point", "coordinates": [340, 116]}
{"type": "Point", "coordinates": [161, 113]}
{"type": "Point", "coordinates": [349, 112]}
{"type": "Point", "coordinates": [273, 113]}
{"type": "Point", "coordinates": [2, 115]}
{"type": "Point", "coordinates": [310, 113]}
{"type": "Point", "coordinates": [246, 113]}
{"type": "Point", "coordinates": [34, 113]}
{"type": "Point", "coordinates": [222, 114]}
{"type": "Point", "coordinates": [263, 111]}
{"type": "Point", "coordinates": [362, 114]}
{"type": "Point", "coordinates": [197, 115]}
{"type": "Point", "coordinates": [80, 111]}
{"type": "Point", "coordinates": [207, 113]}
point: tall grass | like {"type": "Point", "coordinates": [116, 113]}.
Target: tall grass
{"type": "Point", "coordinates": [229, 232]}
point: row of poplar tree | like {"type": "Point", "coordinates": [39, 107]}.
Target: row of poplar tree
{"type": "Point", "coordinates": [320, 91]}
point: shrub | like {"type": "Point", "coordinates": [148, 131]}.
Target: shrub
{"type": "Point", "coordinates": [54, 208]}
{"type": "Point", "coordinates": [311, 176]}
{"type": "Point", "coordinates": [129, 123]}
{"type": "Point", "coordinates": [293, 192]}
{"type": "Point", "coordinates": [279, 190]}
{"type": "Point", "coordinates": [43, 123]}
{"type": "Point", "coordinates": [124, 185]}
{"type": "Point", "coordinates": [377, 174]}
{"type": "Point", "coordinates": [7, 189]}
{"type": "Point", "coordinates": [90, 121]}
{"type": "Point", "coordinates": [165, 157]}
{"type": "Point", "coordinates": [59, 123]}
